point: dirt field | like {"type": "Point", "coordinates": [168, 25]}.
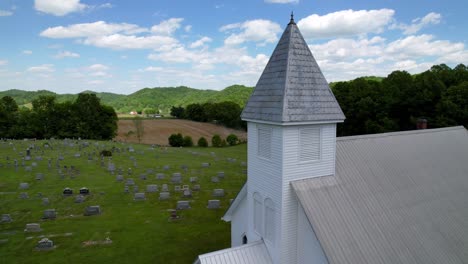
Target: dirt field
{"type": "Point", "coordinates": [158, 131]}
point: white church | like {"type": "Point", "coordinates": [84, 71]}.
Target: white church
{"type": "Point", "coordinates": [311, 197]}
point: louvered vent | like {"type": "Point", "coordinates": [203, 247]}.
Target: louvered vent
{"type": "Point", "coordinates": [264, 142]}
{"type": "Point", "coordinates": [309, 142]}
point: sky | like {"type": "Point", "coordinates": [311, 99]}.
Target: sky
{"type": "Point", "coordinates": [69, 46]}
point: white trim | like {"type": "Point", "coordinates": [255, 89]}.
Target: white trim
{"type": "Point", "coordinates": [237, 201]}
{"type": "Point", "coordinates": [294, 123]}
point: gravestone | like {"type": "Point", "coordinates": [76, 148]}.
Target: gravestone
{"type": "Point", "coordinates": [67, 192]}
{"type": "Point", "coordinates": [130, 181]}
{"type": "Point", "coordinates": [221, 174]}
{"type": "Point", "coordinates": [151, 188]}
{"type": "Point", "coordinates": [187, 193]}
{"type": "Point", "coordinates": [165, 188]}
{"type": "Point", "coordinates": [184, 167]}
{"type": "Point", "coordinates": [135, 188]}
{"type": "Point", "coordinates": [33, 227]}
{"type": "Point", "coordinates": [92, 210]}
{"type": "Point", "coordinates": [196, 187]}
{"type": "Point", "coordinates": [205, 165]}
{"type": "Point", "coordinates": [150, 171]}
{"type": "Point", "coordinates": [173, 215]}
{"type": "Point", "coordinates": [215, 179]}
{"type": "Point", "coordinates": [213, 204]}
{"type": "Point", "coordinates": [79, 199]}
{"type": "Point", "coordinates": [6, 218]}
{"type": "Point", "coordinates": [77, 155]}
{"type": "Point", "coordinates": [164, 196]}
{"type": "Point", "coordinates": [160, 176]}
{"type": "Point", "coordinates": [45, 244]}
{"type": "Point", "coordinates": [39, 176]}
{"type": "Point", "coordinates": [143, 176]}
{"type": "Point", "coordinates": [185, 187]}
{"type": "Point", "coordinates": [84, 191]}
{"type": "Point", "coordinates": [24, 195]}
{"type": "Point", "coordinates": [218, 192]}
{"type": "Point", "coordinates": [119, 178]}
{"type": "Point", "coordinates": [166, 167]}
{"type": "Point", "coordinates": [177, 188]}
{"type": "Point", "coordinates": [183, 205]}
{"type": "Point", "coordinates": [193, 179]}
{"type": "Point", "coordinates": [126, 189]}
{"type": "Point", "coordinates": [139, 197]}
{"type": "Point", "coordinates": [176, 177]}
{"type": "Point", "coordinates": [24, 185]}
{"type": "Point", "coordinates": [28, 168]}
{"type": "Point", "coordinates": [45, 201]}
{"type": "Point", "coordinates": [50, 214]}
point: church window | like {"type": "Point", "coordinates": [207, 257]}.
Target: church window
{"type": "Point", "coordinates": [264, 142]}
{"type": "Point", "coordinates": [309, 144]}
{"type": "Point", "coordinates": [244, 239]}
{"type": "Point", "coordinates": [270, 217]}
{"type": "Point", "coordinates": [258, 213]}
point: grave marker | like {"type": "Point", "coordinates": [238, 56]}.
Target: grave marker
{"type": "Point", "coordinates": [6, 218]}
{"type": "Point", "coordinates": [164, 196]}
{"type": "Point", "coordinates": [151, 188]}
{"type": "Point", "coordinates": [213, 204]}
{"type": "Point", "coordinates": [139, 197]}
{"type": "Point", "coordinates": [24, 185]}
{"type": "Point", "coordinates": [92, 210]}
{"type": "Point", "coordinates": [50, 214]}
{"type": "Point", "coordinates": [33, 227]}
{"type": "Point", "coordinates": [218, 192]}
{"type": "Point", "coordinates": [183, 205]}
{"type": "Point", "coordinates": [45, 244]}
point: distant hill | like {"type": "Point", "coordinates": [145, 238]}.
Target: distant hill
{"type": "Point", "coordinates": [162, 98]}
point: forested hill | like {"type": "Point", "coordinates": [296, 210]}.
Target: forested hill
{"type": "Point", "coordinates": [157, 98]}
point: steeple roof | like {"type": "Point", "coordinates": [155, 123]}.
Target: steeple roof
{"type": "Point", "coordinates": [292, 87]}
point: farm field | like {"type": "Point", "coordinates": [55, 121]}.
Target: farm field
{"type": "Point", "coordinates": [157, 131]}
{"type": "Point", "coordinates": [127, 230]}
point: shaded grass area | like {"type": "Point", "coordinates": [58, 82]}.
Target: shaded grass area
{"type": "Point", "coordinates": [140, 230]}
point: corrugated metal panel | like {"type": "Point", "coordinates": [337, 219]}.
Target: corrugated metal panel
{"type": "Point", "coordinates": [395, 198]}
{"type": "Point", "coordinates": [292, 87]}
{"type": "Point", "coordinates": [252, 253]}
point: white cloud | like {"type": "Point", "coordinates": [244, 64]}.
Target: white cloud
{"type": "Point", "coordinates": [84, 30]}
{"type": "Point", "coordinates": [97, 67]}
{"type": "Point", "coordinates": [119, 42]}
{"type": "Point", "coordinates": [188, 28]}
{"type": "Point", "coordinates": [27, 52]}
{"type": "Point", "coordinates": [3, 62]}
{"type": "Point", "coordinates": [66, 54]}
{"type": "Point", "coordinates": [281, 1]}
{"type": "Point", "coordinates": [421, 46]}
{"type": "Point", "coordinates": [418, 23]}
{"type": "Point", "coordinates": [5, 13]}
{"type": "Point", "coordinates": [44, 68]}
{"type": "Point", "coordinates": [59, 8]}
{"type": "Point", "coordinates": [345, 23]}
{"type": "Point", "coordinates": [95, 82]}
{"type": "Point", "coordinates": [200, 43]}
{"type": "Point", "coordinates": [260, 31]}
{"type": "Point", "coordinates": [100, 74]}
{"type": "Point", "coordinates": [167, 27]}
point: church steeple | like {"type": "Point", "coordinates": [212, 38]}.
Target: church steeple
{"type": "Point", "coordinates": [292, 88]}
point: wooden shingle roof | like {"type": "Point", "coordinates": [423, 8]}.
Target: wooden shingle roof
{"type": "Point", "coordinates": [292, 87]}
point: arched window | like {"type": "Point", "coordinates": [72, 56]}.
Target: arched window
{"type": "Point", "coordinates": [258, 213]}
{"type": "Point", "coordinates": [244, 239]}
{"type": "Point", "coordinates": [270, 217]}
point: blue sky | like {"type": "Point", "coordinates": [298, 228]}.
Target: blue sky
{"type": "Point", "coordinates": [68, 46]}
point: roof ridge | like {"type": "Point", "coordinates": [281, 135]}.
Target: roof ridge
{"type": "Point", "coordinates": [285, 91]}
{"type": "Point", "coordinates": [399, 133]}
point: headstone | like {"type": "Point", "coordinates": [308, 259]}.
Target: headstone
{"type": "Point", "coordinates": [177, 188]}
{"type": "Point", "coordinates": [119, 178]}
{"type": "Point", "coordinates": [185, 187]}
{"type": "Point", "coordinates": [165, 188]}
{"type": "Point", "coordinates": [79, 198]}
{"type": "Point", "coordinates": [77, 155]}
{"type": "Point", "coordinates": [45, 244]}
{"type": "Point", "coordinates": [135, 189]}
{"type": "Point", "coordinates": [143, 176]}
{"type": "Point", "coordinates": [176, 177]}
{"type": "Point", "coordinates": [173, 215]}
{"type": "Point", "coordinates": [164, 196]}
{"type": "Point", "coordinates": [67, 192]}
{"type": "Point", "coordinates": [193, 179]}
{"type": "Point", "coordinates": [33, 227]}
{"type": "Point", "coordinates": [218, 192]}
{"type": "Point", "coordinates": [196, 187]}
{"type": "Point", "coordinates": [92, 210]}
{"type": "Point", "coordinates": [45, 201]}
{"type": "Point", "coordinates": [213, 204]}
{"type": "Point", "coordinates": [50, 214]}
{"type": "Point", "coordinates": [187, 193]}
{"type": "Point", "coordinates": [149, 171]}
{"type": "Point", "coordinates": [139, 197]}
{"type": "Point", "coordinates": [220, 174]}
{"type": "Point", "coordinates": [84, 191]}
{"type": "Point", "coordinates": [151, 188]}
{"type": "Point", "coordinates": [183, 205]}
{"type": "Point", "coordinates": [39, 176]}
{"type": "Point", "coordinates": [24, 195]}
{"type": "Point", "coordinates": [28, 168]}
{"type": "Point", "coordinates": [205, 165]}
{"type": "Point", "coordinates": [166, 167]}
{"type": "Point", "coordinates": [126, 189]}
{"type": "Point", "coordinates": [6, 218]}
{"type": "Point", "coordinates": [130, 182]}
{"type": "Point", "coordinates": [215, 179]}
{"type": "Point", "coordinates": [24, 185]}
{"type": "Point", "coordinates": [160, 176]}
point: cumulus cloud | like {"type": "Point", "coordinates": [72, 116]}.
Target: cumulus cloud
{"type": "Point", "coordinates": [5, 13]}
{"type": "Point", "coordinates": [59, 8]}
{"type": "Point", "coordinates": [83, 30]}
{"type": "Point", "coordinates": [260, 31]}
{"type": "Point", "coordinates": [44, 68]}
{"type": "Point", "coordinates": [281, 1]}
{"type": "Point", "coordinates": [167, 27]}
{"type": "Point", "coordinates": [27, 52]}
{"type": "Point", "coordinates": [66, 54]}
{"type": "Point", "coordinates": [119, 42]}
{"type": "Point", "coordinates": [345, 23]}
{"type": "Point", "coordinates": [97, 67]}
{"type": "Point", "coordinates": [422, 45]}
{"type": "Point", "coordinates": [418, 23]}
{"type": "Point", "coordinates": [200, 43]}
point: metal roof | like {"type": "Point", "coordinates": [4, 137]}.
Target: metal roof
{"type": "Point", "coordinates": [252, 253]}
{"type": "Point", "coordinates": [395, 198]}
{"type": "Point", "coordinates": [292, 87]}
{"type": "Point", "coordinates": [235, 203]}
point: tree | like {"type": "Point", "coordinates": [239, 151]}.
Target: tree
{"type": "Point", "coordinates": [177, 111]}
{"type": "Point", "coordinates": [188, 142]}
{"type": "Point", "coordinates": [139, 128]}
{"type": "Point", "coordinates": [202, 142]}
{"type": "Point", "coordinates": [216, 141]}
{"type": "Point", "coordinates": [195, 112]}
{"type": "Point", "coordinates": [232, 140]}
{"type": "Point", "coordinates": [176, 140]}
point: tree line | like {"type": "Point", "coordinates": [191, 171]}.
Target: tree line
{"type": "Point", "coordinates": [439, 95]}
{"type": "Point", "coordinates": [225, 113]}
{"type": "Point", "coordinates": [84, 117]}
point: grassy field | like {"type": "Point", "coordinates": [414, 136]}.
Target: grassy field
{"type": "Point", "coordinates": [140, 231]}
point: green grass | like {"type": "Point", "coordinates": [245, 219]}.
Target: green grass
{"type": "Point", "coordinates": [140, 230]}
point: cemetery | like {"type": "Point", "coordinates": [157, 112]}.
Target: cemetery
{"type": "Point", "coordinates": [161, 199]}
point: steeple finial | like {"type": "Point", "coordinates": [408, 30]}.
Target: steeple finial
{"type": "Point", "coordinates": [292, 19]}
